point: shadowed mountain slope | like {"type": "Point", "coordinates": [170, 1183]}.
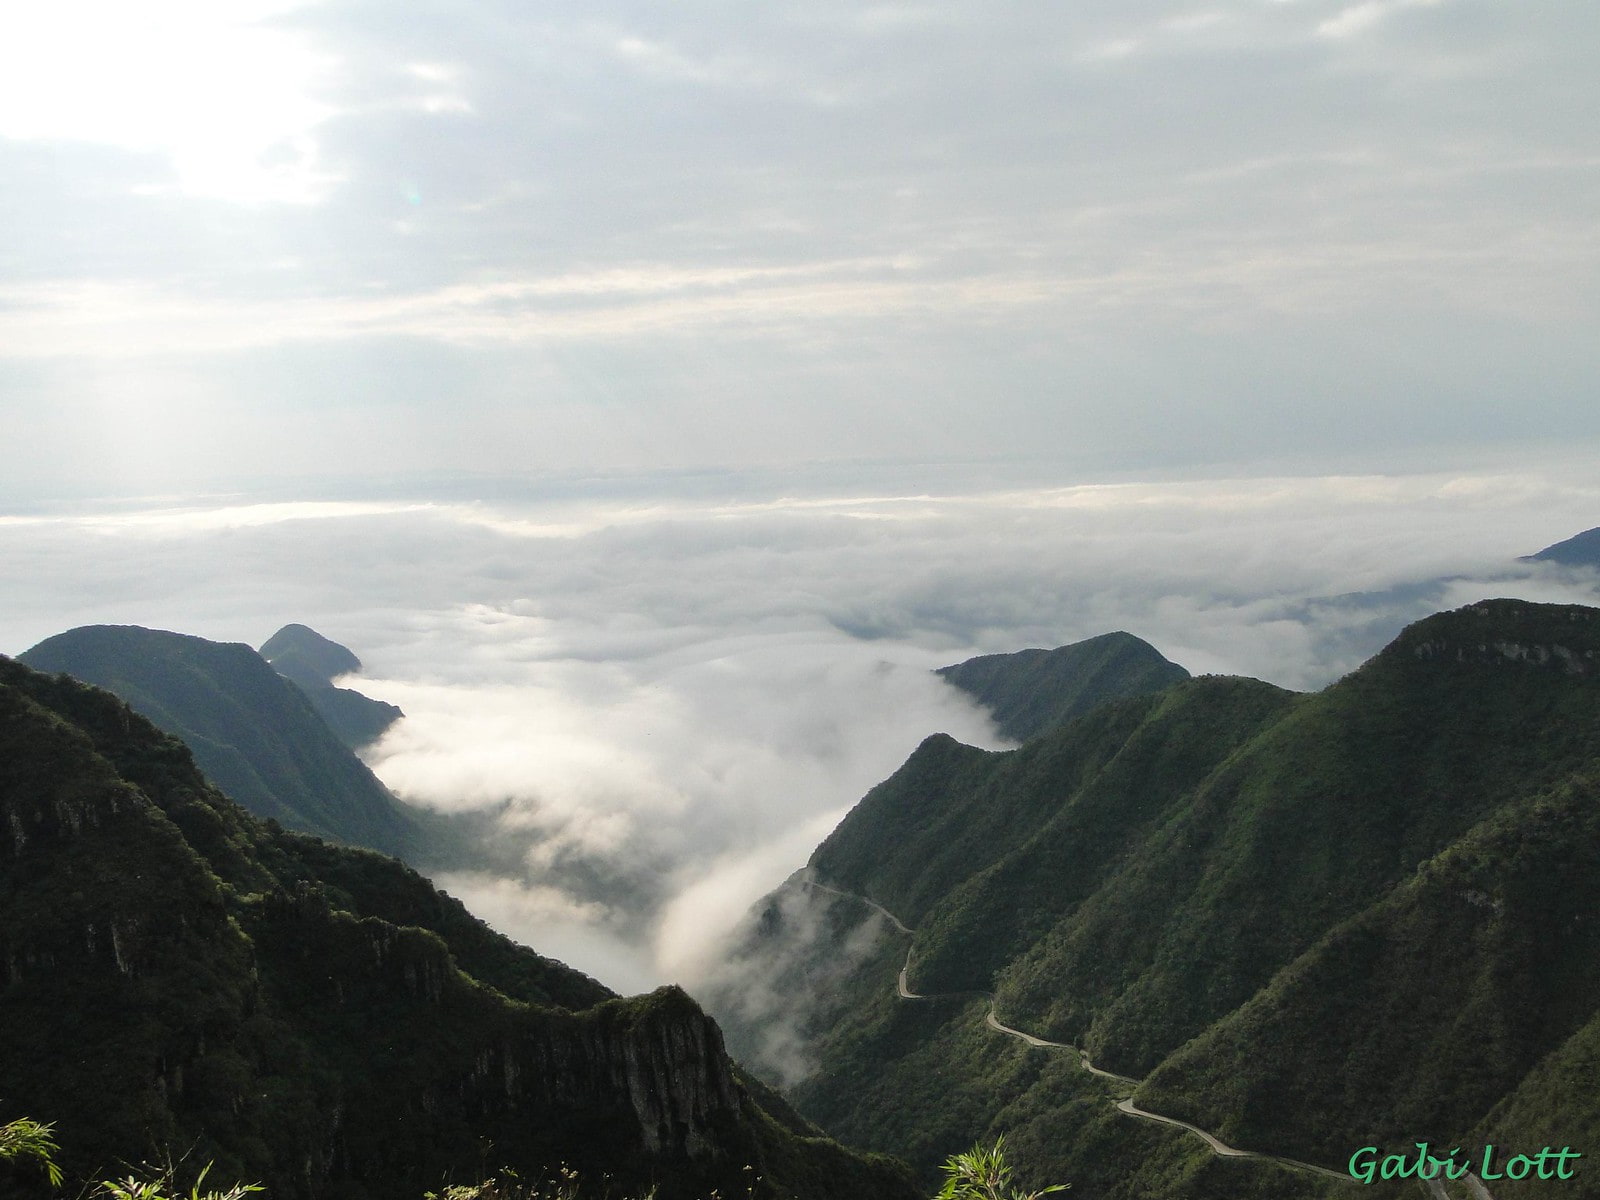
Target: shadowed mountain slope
{"type": "Point", "coordinates": [254, 733]}
{"type": "Point", "coordinates": [1032, 691]}
{"type": "Point", "coordinates": [191, 979]}
{"type": "Point", "coordinates": [312, 662]}
{"type": "Point", "coordinates": [1581, 550]}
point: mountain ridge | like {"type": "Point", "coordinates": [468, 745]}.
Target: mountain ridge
{"type": "Point", "coordinates": [1179, 863]}
{"type": "Point", "coordinates": [1031, 691]}
{"type": "Point", "coordinates": [192, 977]}
{"type": "Point", "coordinates": [253, 731]}
{"type": "Point", "coordinates": [312, 662]}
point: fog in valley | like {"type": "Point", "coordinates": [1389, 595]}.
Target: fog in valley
{"type": "Point", "coordinates": [662, 703]}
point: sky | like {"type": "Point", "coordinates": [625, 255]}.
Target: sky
{"type": "Point", "coordinates": [652, 394]}
{"type": "Point", "coordinates": [265, 240]}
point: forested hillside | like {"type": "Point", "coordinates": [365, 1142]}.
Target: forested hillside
{"type": "Point", "coordinates": [1307, 922]}
{"type": "Point", "coordinates": [251, 730]}
{"type": "Point", "coordinates": [179, 978]}
{"type": "Point", "coordinates": [1032, 691]}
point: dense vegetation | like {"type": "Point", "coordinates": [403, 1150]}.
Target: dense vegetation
{"type": "Point", "coordinates": [177, 976]}
{"type": "Point", "coordinates": [251, 731]}
{"type": "Point", "coordinates": [1030, 692]}
{"type": "Point", "coordinates": [1311, 923]}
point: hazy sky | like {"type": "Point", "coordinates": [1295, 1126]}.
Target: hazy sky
{"type": "Point", "coordinates": [260, 238]}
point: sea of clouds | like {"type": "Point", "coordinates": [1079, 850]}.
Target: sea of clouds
{"type": "Point", "coordinates": [661, 699]}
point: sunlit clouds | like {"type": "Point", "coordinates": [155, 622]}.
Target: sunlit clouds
{"type": "Point", "coordinates": [609, 238]}
{"type": "Point", "coordinates": [226, 97]}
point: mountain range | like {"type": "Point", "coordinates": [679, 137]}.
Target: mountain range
{"type": "Point", "coordinates": [178, 977]}
{"type": "Point", "coordinates": [252, 730]}
{"type": "Point", "coordinates": [1304, 923]}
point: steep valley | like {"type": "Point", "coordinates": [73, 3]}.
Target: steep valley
{"type": "Point", "coordinates": [1306, 923]}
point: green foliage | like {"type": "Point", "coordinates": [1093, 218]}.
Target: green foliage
{"type": "Point", "coordinates": [161, 1184]}
{"type": "Point", "coordinates": [1032, 692]}
{"type": "Point", "coordinates": [1319, 922]}
{"type": "Point", "coordinates": [562, 1184]}
{"type": "Point", "coordinates": [984, 1174]}
{"type": "Point", "coordinates": [299, 1013]}
{"type": "Point", "coordinates": [25, 1141]}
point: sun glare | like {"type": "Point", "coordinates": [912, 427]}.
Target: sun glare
{"type": "Point", "coordinates": [227, 98]}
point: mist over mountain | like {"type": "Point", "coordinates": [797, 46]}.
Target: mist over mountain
{"type": "Point", "coordinates": [312, 662]}
{"type": "Point", "coordinates": [1580, 550]}
{"type": "Point", "coordinates": [1308, 922]}
{"type": "Point", "coordinates": [251, 730]}
{"type": "Point", "coordinates": [196, 982]}
{"type": "Point", "coordinates": [652, 692]}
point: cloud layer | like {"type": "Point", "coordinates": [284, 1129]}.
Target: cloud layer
{"type": "Point", "coordinates": [663, 697]}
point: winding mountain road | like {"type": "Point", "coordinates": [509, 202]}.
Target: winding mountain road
{"type": "Point", "coordinates": [1433, 1187]}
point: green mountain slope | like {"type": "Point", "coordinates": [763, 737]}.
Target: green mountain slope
{"type": "Point", "coordinates": [1445, 994]}
{"type": "Point", "coordinates": [177, 976]}
{"type": "Point", "coordinates": [1314, 922]}
{"type": "Point", "coordinates": [1032, 691]}
{"type": "Point", "coordinates": [252, 731]}
{"type": "Point", "coordinates": [312, 662]}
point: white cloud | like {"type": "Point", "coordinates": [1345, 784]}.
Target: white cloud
{"type": "Point", "coordinates": [665, 699]}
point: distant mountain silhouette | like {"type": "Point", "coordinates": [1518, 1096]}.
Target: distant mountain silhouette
{"type": "Point", "coordinates": [312, 662]}
{"type": "Point", "coordinates": [1581, 550]}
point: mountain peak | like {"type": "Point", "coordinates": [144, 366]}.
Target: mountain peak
{"type": "Point", "coordinates": [1032, 691]}
{"type": "Point", "coordinates": [297, 650]}
{"type": "Point", "coordinates": [312, 662]}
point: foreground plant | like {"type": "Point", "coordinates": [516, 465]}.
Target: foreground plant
{"type": "Point", "coordinates": [160, 1185]}
{"type": "Point", "coordinates": [507, 1185]}
{"type": "Point", "coordinates": [981, 1174]}
{"type": "Point", "coordinates": [29, 1141]}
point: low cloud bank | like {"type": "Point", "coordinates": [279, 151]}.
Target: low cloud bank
{"type": "Point", "coordinates": [663, 702]}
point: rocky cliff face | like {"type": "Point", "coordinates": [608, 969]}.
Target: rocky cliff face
{"type": "Point", "coordinates": [189, 977]}
{"type": "Point", "coordinates": [1499, 632]}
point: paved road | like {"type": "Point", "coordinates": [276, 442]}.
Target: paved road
{"type": "Point", "coordinates": [1083, 1057]}
{"type": "Point", "coordinates": [808, 879]}
{"type": "Point", "coordinates": [1433, 1187]}
{"type": "Point", "coordinates": [1220, 1148]}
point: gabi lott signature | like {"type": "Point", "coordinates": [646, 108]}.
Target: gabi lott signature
{"type": "Point", "coordinates": [1366, 1164]}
